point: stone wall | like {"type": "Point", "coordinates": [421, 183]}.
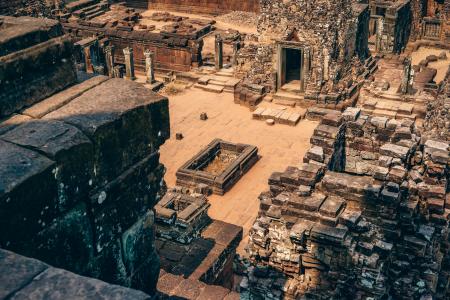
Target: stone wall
{"type": "Point", "coordinates": [35, 8]}
{"type": "Point", "coordinates": [355, 233]}
{"type": "Point", "coordinates": [204, 6]}
{"type": "Point", "coordinates": [173, 51]}
{"type": "Point", "coordinates": [79, 178]}
{"type": "Point", "coordinates": [394, 27]}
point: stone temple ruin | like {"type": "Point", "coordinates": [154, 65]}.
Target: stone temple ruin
{"type": "Point", "coordinates": [181, 149]}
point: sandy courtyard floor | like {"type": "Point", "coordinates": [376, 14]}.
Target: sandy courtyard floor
{"type": "Point", "coordinates": [279, 146]}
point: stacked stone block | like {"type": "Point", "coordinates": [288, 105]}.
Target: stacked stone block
{"type": "Point", "coordinates": [78, 192]}
{"type": "Point", "coordinates": [79, 171]}
{"type": "Point", "coordinates": [35, 62]}
{"type": "Point", "coordinates": [376, 230]}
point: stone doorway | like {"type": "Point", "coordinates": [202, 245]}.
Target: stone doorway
{"type": "Point", "coordinates": [290, 75]}
{"type": "Point", "coordinates": [293, 63]}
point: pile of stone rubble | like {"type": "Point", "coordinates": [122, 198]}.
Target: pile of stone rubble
{"type": "Point", "coordinates": [366, 214]}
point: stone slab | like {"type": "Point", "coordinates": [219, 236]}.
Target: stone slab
{"type": "Point", "coordinates": [27, 186]}
{"type": "Point", "coordinates": [56, 284]}
{"type": "Point", "coordinates": [16, 272]}
{"type": "Point", "coordinates": [125, 122]}
{"type": "Point", "coordinates": [62, 98]}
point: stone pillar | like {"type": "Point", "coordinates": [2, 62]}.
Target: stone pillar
{"type": "Point", "coordinates": [118, 71]}
{"type": "Point", "coordinates": [88, 60]}
{"type": "Point", "coordinates": [95, 56]}
{"type": "Point", "coordinates": [129, 63]}
{"type": "Point", "coordinates": [379, 35]}
{"type": "Point", "coordinates": [236, 46]}
{"type": "Point", "coordinates": [406, 76]}
{"type": "Point", "coordinates": [109, 57]}
{"type": "Point", "coordinates": [305, 69]}
{"type": "Point", "coordinates": [149, 66]}
{"type": "Point", "coordinates": [218, 57]}
{"type": "Point", "coordinates": [326, 62]}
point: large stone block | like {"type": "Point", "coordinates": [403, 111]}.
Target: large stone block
{"type": "Point", "coordinates": [56, 284]}
{"type": "Point", "coordinates": [16, 272]}
{"type": "Point", "coordinates": [27, 195]}
{"type": "Point", "coordinates": [68, 147]}
{"type": "Point", "coordinates": [108, 265]}
{"type": "Point", "coordinates": [394, 151]}
{"type": "Point", "coordinates": [137, 242]}
{"type": "Point", "coordinates": [29, 75]}
{"type": "Point", "coordinates": [126, 122]}
{"type": "Point", "coordinates": [118, 205]}
{"type": "Point", "coordinates": [146, 277]}
{"type": "Point", "coordinates": [67, 242]}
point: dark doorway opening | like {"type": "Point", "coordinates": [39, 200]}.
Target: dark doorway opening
{"type": "Point", "coordinates": [293, 64]}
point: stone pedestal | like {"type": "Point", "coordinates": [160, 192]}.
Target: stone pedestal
{"type": "Point", "coordinates": [129, 63]}
{"type": "Point", "coordinates": [109, 57]}
{"type": "Point", "coordinates": [149, 66]}
{"type": "Point", "coordinates": [218, 57]}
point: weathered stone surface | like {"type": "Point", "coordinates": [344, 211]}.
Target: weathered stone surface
{"type": "Point", "coordinates": [12, 122]}
{"type": "Point", "coordinates": [69, 147]}
{"type": "Point", "coordinates": [123, 109]}
{"type": "Point", "coordinates": [24, 174]}
{"type": "Point", "coordinates": [351, 114]}
{"type": "Point", "coordinates": [54, 102]}
{"type": "Point", "coordinates": [26, 278]}
{"type": "Point", "coordinates": [38, 47]}
{"type": "Point", "coordinates": [65, 239]}
{"type": "Point", "coordinates": [394, 151]}
{"type": "Point", "coordinates": [137, 242]}
{"type": "Point", "coordinates": [16, 272]}
{"type": "Point", "coordinates": [57, 284]}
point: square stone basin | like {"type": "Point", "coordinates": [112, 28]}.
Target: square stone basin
{"type": "Point", "coordinates": [219, 166]}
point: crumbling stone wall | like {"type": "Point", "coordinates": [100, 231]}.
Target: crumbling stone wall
{"type": "Point", "coordinates": [339, 235]}
{"type": "Point", "coordinates": [195, 6]}
{"type": "Point", "coordinates": [34, 8]}
{"type": "Point", "coordinates": [325, 29]}
{"type": "Point", "coordinates": [437, 120]}
{"type": "Point", "coordinates": [177, 47]}
{"type": "Point", "coordinates": [418, 10]}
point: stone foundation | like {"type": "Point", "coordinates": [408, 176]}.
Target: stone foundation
{"type": "Point", "coordinates": [80, 177]}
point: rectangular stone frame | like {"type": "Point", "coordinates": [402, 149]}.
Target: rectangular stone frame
{"type": "Point", "coordinates": [281, 63]}
{"type": "Point", "coordinates": [190, 176]}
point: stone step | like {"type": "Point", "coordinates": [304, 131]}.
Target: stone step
{"type": "Point", "coordinates": [224, 74]}
{"type": "Point", "coordinates": [91, 16]}
{"type": "Point", "coordinates": [210, 88]}
{"type": "Point", "coordinates": [87, 11]}
{"type": "Point", "coordinates": [217, 82]}
{"type": "Point", "coordinates": [400, 116]}
{"type": "Point", "coordinates": [384, 113]}
{"type": "Point", "coordinates": [284, 102]}
{"type": "Point", "coordinates": [289, 99]}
